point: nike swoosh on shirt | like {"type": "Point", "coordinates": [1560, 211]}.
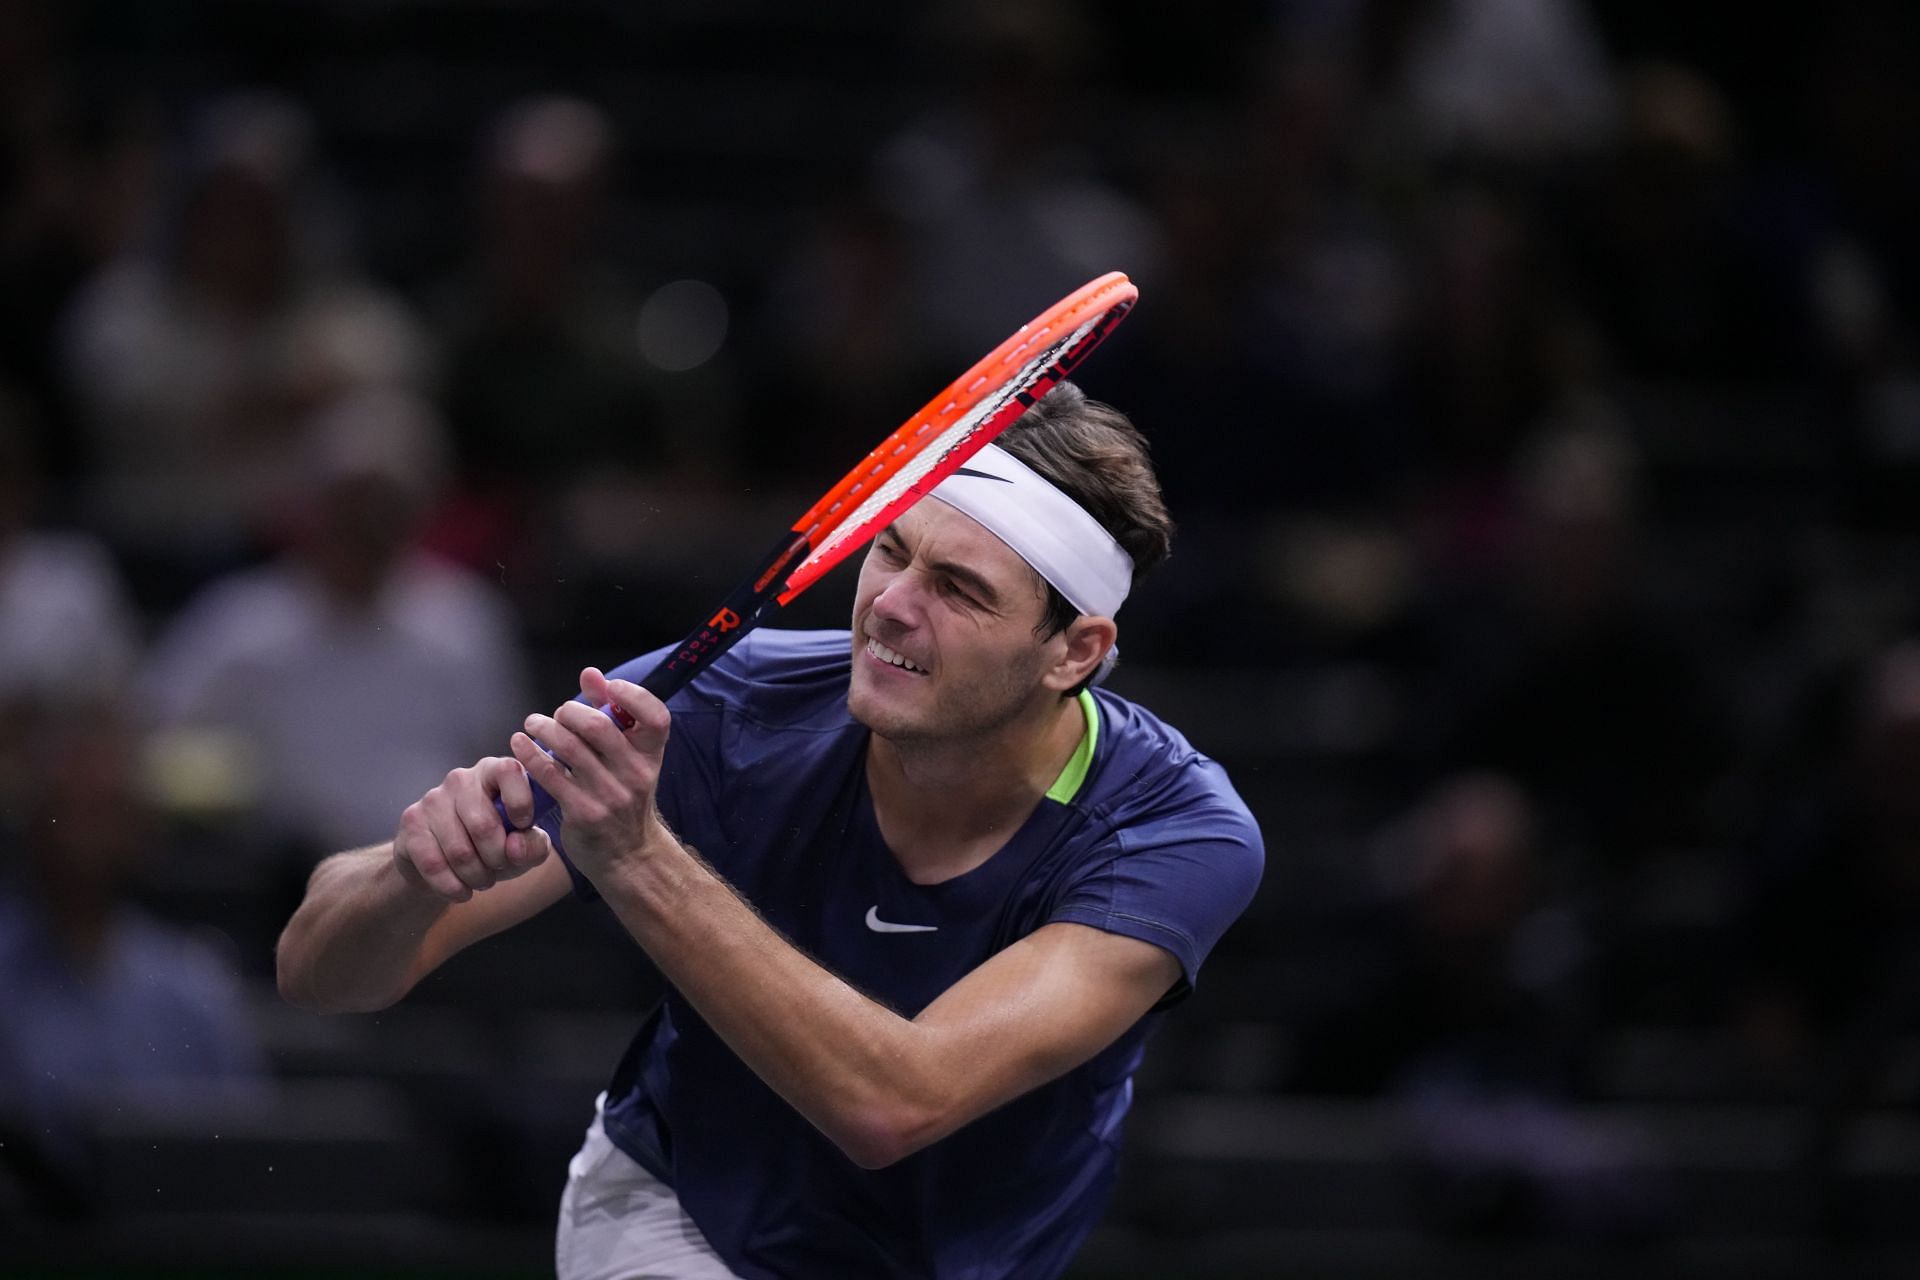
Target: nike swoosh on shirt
{"type": "Point", "coordinates": [875, 923]}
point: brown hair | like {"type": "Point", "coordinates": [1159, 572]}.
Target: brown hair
{"type": "Point", "coordinates": [1092, 453]}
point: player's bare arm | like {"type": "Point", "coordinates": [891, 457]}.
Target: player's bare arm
{"type": "Point", "coordinates": [879, 1085]}
{"type": "Point", "coordinates": [377, 920]}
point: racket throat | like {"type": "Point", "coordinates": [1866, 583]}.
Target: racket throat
{"type": "Point", "coordinates": [746, 608]}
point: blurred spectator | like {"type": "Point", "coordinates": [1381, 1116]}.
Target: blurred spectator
{"type": "Point", "coordinates": [587, 414]}
{"type": "Point", "coordinates": [1489, 324]}
{"type": "Point", "coordinates": [1481, 1028]}
{"type": "Point", "coordinates": [78, 164]}
{"type": "Point", "coordinates": [1515, 82]}
{"type": "Point", "coordinates": [351, 627]}
{"type": "Point", "coordinates": [1857, 111]}
{"type": "Point", "coordinates": [66, 623]}
{"type": "Point", "coordinates": [838, 332]}
{"type": "Point", "coordinates": [1273, 337]}
{"type": "Point", "coordinates": [1829, 991]}
{"type": "Point", "coordinates": [1002, 195]}
{"type": "Point", "coordinates": [544, 380]}
{"type": "Point", "coordinates": [1696, 272]}
{"type": "Point", "coordinates": [1563, 669]}
{"type": "Point", "coordinates": [1832, 929]}
{"type": "Point", "coordinates": [1865, 276]}
{"type": "Point", "coordinates": [1282, 299]}
{"type": "Point", "coordinates": [195, 358]}
{"type": "Point", "coordinates": [104, 1002]}
{"type": "Point", "coordinates": [1486, 962]}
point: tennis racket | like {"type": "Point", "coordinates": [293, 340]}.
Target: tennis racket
{"type": "Point", "coordinates": [897, 473]}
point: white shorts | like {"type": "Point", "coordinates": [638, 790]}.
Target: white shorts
{"type": "Point", "coordinates": [619, 1222]}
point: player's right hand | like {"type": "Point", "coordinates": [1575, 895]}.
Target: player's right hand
{"type": "Point", "coordinates": [451, 842]}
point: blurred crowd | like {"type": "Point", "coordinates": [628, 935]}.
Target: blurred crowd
{"type": "Point", "coordinates": [1536, 388]}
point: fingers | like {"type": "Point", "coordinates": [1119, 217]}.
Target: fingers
{"type": "Point", "coordinates": [594, 688]}
{"type": "Point", "coordinates": [651, 720]}
{"type": "Point", "coordinates": [480, 823]}
{"type": "Point", "coordinates": [452, 840]}
{"type": "Point", "coordinates": [543, 768]}
{"type": "Point", "coordinates": [641, 715]}
{"type": "Point", "coordinates": [527, 849]}
{"type": "Point", "coordinates": [587, 748]}
{"type": "Point", "coordinates": [573, 775]}
{"type": "Point", "coordinates": [507, 778]}
{"type": "Point", "coordinates": [602, 778]}
{"type": "Point", "coordinates": [422, 846]}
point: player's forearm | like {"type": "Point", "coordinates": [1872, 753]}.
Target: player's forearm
{"type": "Point", "coordinates": [357, 941]}
{"type": "Point", "coordinates": [862, 1074]}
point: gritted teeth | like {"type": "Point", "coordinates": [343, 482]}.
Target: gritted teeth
{"type": "Point", "coordinates": [885, 654]}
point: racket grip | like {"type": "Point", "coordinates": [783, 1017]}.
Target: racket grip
{"type": "Point", "coordinates": [544, 804]}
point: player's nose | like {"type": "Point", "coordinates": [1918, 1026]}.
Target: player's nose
{"type": "Point", "coordinates": [900, 600]}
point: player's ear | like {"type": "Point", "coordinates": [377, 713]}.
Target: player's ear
{"type": "Point", "coordinates": [1088, 638]}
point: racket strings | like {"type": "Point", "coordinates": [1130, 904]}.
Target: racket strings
{"type": "Point", "coordinates": [906, 474]}
{"type": "Point", "coordinates": [914, 441]}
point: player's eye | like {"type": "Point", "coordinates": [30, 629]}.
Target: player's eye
{"type": "Point", "coordinates": [955, 590]}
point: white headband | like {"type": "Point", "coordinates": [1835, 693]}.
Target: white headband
{"type": "Point", "coordinates": [1049, 530]}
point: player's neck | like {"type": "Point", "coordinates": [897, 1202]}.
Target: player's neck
{"type": "Point", "coordinates": [947, 806]}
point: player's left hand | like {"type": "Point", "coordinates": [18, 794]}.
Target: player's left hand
{"type": "Point", "coordinates": [603, 778]}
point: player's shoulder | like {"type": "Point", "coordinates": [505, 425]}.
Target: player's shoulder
{"type": "Point", "coordinates": [1146, 765]}
{"type": "Point", "coordinates": [1138, 738]}
{"type": "Point", "coordinates": [770, 655]}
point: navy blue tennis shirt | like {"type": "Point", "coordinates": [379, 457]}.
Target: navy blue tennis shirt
{"type": "Point", "coordinates": [764, 775]}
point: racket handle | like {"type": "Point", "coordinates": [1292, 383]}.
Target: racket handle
{"type": "Point", "coordinates": [544, 804]}
{"type": "Point", "coordinates": [742, 612]}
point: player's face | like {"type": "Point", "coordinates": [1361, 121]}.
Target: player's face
{"type": "Point", "coordinates": [943, 630]}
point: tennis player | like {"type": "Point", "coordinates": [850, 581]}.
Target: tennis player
{"type": "Point", "coordinates": [918, 890]}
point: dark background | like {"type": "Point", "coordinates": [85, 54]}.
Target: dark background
{"type": "Point", "coordinates": [1534, 384]}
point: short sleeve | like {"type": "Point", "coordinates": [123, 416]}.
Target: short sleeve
{"type": "Point", "coordinates": [1177, 881]}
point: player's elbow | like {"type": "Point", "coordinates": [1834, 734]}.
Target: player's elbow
{"type": "Point", "coordinates": [886, 1133]}
{"type": "Point", "coordinates": [877, 1147]}
{"type": "Point", "coordinates": [297, 985]}
{"type": "Point", "coordinates": [907, 1099]}
{"type": "Point", "coordinates": [300, 981]}
{"type": "Point", "coordinates": [316, 999]}
{"type": "Point", "coordinates": [293, 974]}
